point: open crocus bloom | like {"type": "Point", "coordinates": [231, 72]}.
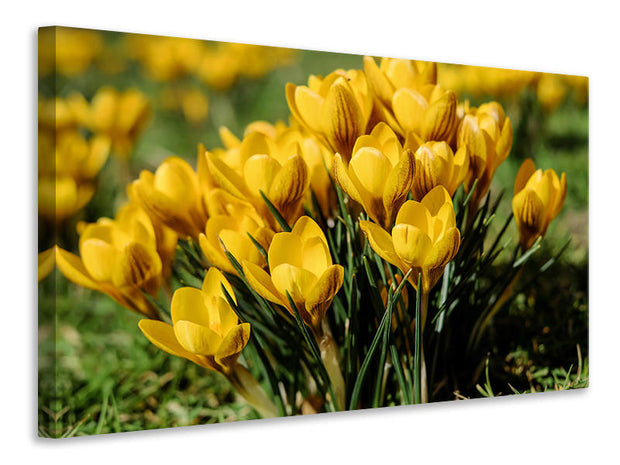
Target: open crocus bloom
{"type": "Point", "coordinates": [538, 198]}
{"type": "Point", "coordinates": [335, 108]}
{"type": "Point", "coordinates": [300, 264]}
{"type": "Point", "coordinates": [205, 328]}
{"type": "Point", "coordinates": [379, 174]}
{"type": "Point", "coordinates": [424, 237]}
{"type": "Point", "coordinates": [117, 257]}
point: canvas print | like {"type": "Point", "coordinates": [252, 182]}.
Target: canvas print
{"type": "Point", "coordinates": [232, 232]}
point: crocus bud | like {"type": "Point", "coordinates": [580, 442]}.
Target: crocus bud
{"type": "Point", "coordinates": [437, 165]}
{"type": "Point", "coordinates": [538, 198]}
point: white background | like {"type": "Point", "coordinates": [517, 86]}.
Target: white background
{"type": "Point", "coordinates": [569, 37]}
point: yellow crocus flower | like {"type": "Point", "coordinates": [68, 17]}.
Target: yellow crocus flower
{"type": "Point", "coordinates": [486, 132]}
{"type": "Point", "coordinates": [257, 165]}
{"type": "Point", "coordinates": [391, 75]}
{"type": "Point", "coordinates": [204, 329]}
{"type": "Point", "coordinates": [122, 116]}
{"type": "Point", "coordinates": [173, 196]}
{"type": "Point", "coordinates": [437, 165]}
{"type": "Point", "coordinates": [429, 112]}
{"type": "Point", "coordinates": [379, 175]}
{"type": "Point", "coordinates": [394, 73]}
{"type": "Point", "coordinates": [119, 258]}
{"type": "Point", "coordinates": [318, 157]}
{"type": "Point", "coordinates": [229, 231]}
{"type": "Point", "coordinates": [424, 238]}
{"type": "Point", "coordinates": [336, 109]}
{"type": "Point", "coordinates": [61, 197]}
{"type": "Point", "coordinates": [538, 198]}
{"type": "Point", "coordinates": [300, 264]}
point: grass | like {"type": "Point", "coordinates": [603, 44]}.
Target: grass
{"type": "Point", "coordinates": [99, 374]}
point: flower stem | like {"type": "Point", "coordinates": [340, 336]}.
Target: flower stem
{"type": "Point", "coordinates": [247, 386]}
{"type": "Point", "coordinates": [330, 355]}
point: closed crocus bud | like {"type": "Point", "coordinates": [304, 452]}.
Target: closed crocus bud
{"type": "Point", "coordinates": [430, 112]}
{"type": "Point", "coordinates": [486, 132]}
{"type": "Point", "coordinates": [336, 109]}
{"type": "Point", "coordinates": [437, 165]}
{"type": "Point", "coordinates": [172, 195]}
{"type": "Point", "coordinates": [119, 258]}
{"type": "Point", "coordinates": [300, 264]}
{"type": "Point", "coordinates": [538, 198]}
{"type": "Point", "coordinates": [379, 175]}
{"type": "Point", "coordinates": [230, 231]}
{"type": "Point", "coordinates": [205, 328]}
{"type": "Point", "coordinates": [424, 238]}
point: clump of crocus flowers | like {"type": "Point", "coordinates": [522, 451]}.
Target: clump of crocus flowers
{"type": "Point", "coordinates": [329, 245]}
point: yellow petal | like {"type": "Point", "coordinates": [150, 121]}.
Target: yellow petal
{"type": "Point", "coordinates": [297, 281]}
{"type": "Point", "coordinates": [232, 345]}
{"type": "Point", "coordinates": [505, 141]}
{"type": "Point", "coordinates": [262, 284]}
{"type": "Point", "coordinates": [559, 198]}
{"type": "Point", "coordinates": [285, 248]}
{"type": "Point", "coordinates": [46, 262]}
{"type": "Point", "coordinates": [99, 258]}
{"type": "Point", "coordinates": [436, 199]}
{"type": "Point", "coordinates": [409, 108]}
{"type": "Point", "coordinates": [162, 336]}
{"type": "Point", "coordinates": [343, 179]}
{"type": "Point", "coordinates": [530, 215]}
{"type": "Point", "coordinates": [215, 254]}
{"type": "Point", "coordinates": [136, 266]}
{"type": "Point", "coordinates": [259, 172]}
{"type": "Point", "coordinates": [414, 214]}
{"type": "Point", "coordinates": [442, 221]}
{"type": "Point", "coordinates": [525, 172]}
{"type": "Point", "coordinates": [315, 256]}
{"type": "Point", "coordinates": [74, 270]}
{"type": "Point", "coordinates": [342, 119]}
{"type": "Point", "coordinates": [212, 285]}
{"type": "Point", "coordinates": [289, 185]}
{"type": "Point", "coordinates": [381, 243]}
{"type": "Point", "coordinates": [188, 303]}
{"type": "Point", "coordinates": [397, 186]}
{"type": "Point", "coordinates": [226, 177]}
{"type": "Point", "coordinates": [440, 119]}
{"type": "Point", "coordinates": [444, 250]}
{"type": "Point", "coordinates": [306, 104]}
{"type": "Point", "coordinates": [371, 169]}
{"type": "Point", "coordinates": [411, 244]}
{"type": "Point", "coordinates": [323, 292]}
{"type": "Point", "coordinates": [223, 317]}
{"type": "Point", "coordinates": [228, 138]}
{"type": "Point", "coordinates": [380, 84]}
{"type": "Point", "coordinates": [196, 338]}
